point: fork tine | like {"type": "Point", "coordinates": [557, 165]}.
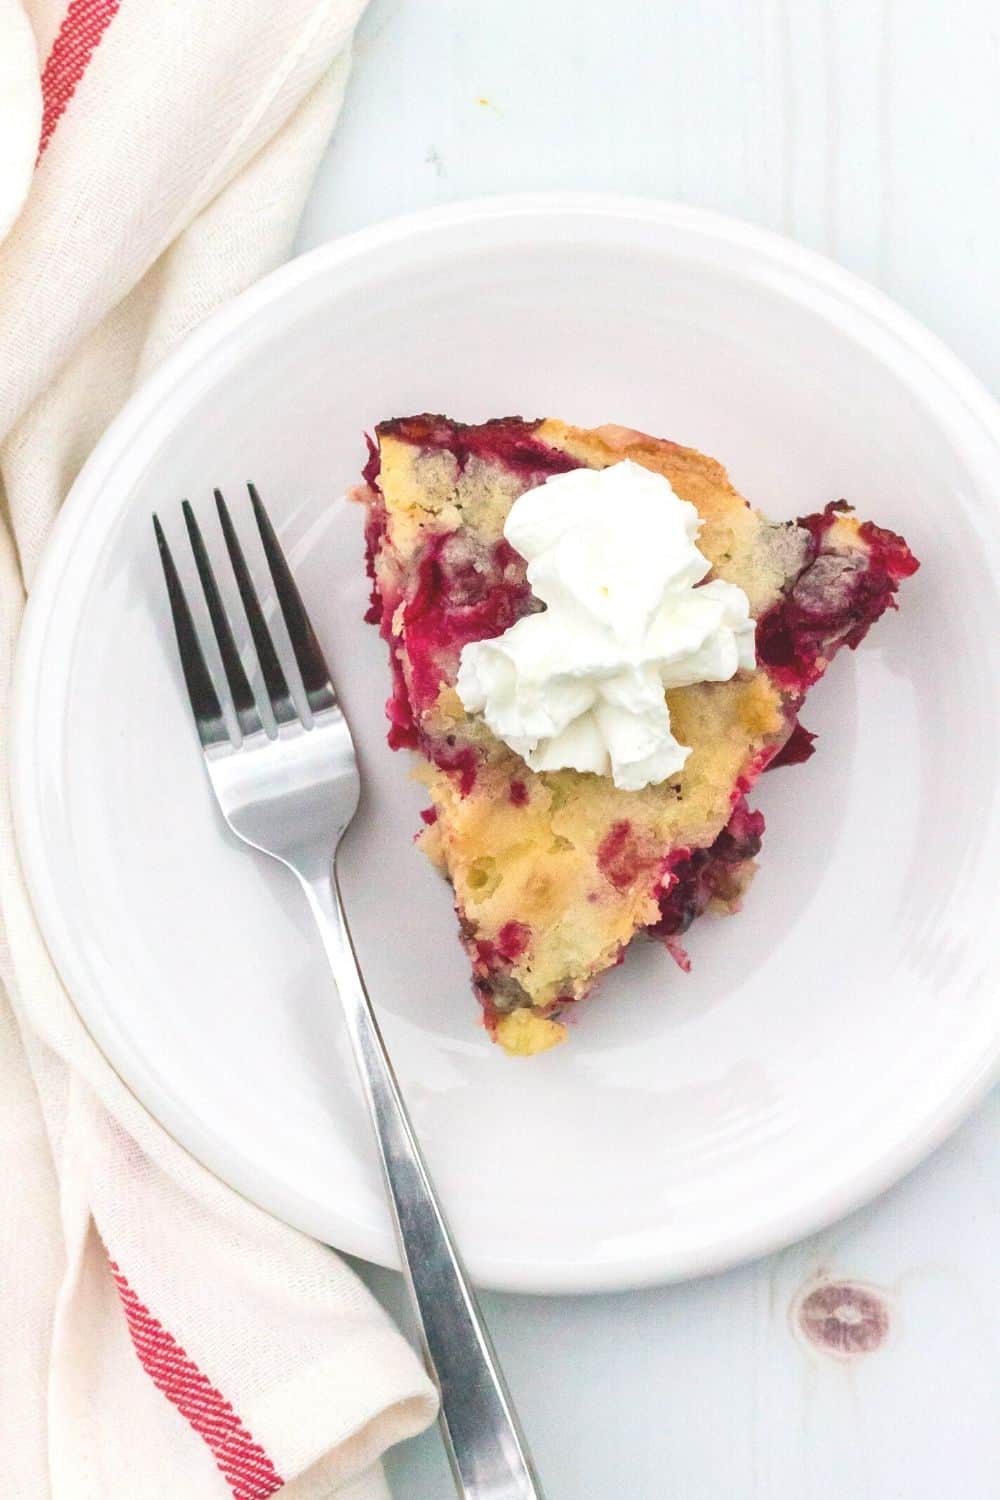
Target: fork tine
{"type": "Point", "coordinates": [243, 698]}
{"type": "Point", "coordinates": [275, 681]}
{"type": "Point", "coordinates": [308, 652]}
{"type": "Point", "coordinates": [205, 704]}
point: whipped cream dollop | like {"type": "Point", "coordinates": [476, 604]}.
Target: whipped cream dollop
{"type": "Point", "coordinates": [612, 555]}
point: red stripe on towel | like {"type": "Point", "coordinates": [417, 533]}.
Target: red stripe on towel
{"type": "Point", "coordinates": [245, 1466]}
{"type": "Point", "coordinates": [84, 23]}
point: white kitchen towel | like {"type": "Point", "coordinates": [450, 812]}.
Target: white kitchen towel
{"type": "Point", "coordinates": [160, 1336]}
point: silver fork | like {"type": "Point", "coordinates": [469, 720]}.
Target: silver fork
{"type": "Point", "coordinates": [291, 793]}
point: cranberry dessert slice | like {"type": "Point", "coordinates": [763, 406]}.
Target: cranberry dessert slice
{"type": "Point", "coordinates": [554, 873]}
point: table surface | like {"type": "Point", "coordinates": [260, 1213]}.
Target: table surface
{"type": "Point", "coordinates": [867, 130]}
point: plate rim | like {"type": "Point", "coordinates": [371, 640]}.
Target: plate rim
{"type": "Point", "coordinates": [929, 358]}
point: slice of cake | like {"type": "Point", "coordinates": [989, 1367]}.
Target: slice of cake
{"type": "Point", "coordinates": [555, 869]}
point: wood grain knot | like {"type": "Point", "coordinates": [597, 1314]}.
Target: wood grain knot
{"type": "Point", "coordinates": [843, 1318]}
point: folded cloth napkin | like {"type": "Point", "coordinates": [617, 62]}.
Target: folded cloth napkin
{"type": "Point", "coordinates": [161, 1337]}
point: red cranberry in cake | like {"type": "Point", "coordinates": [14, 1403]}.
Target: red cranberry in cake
{"type": "Point", "coordinates": [558, 859]}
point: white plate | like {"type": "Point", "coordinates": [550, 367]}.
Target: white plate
{"type": "Point", "coordinates": [827, 1038]}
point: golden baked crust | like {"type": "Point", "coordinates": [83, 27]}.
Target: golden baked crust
{"type": "Point", "coordinates": [741, 545]}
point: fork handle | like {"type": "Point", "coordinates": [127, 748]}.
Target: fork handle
{"type": "Point", "coordinates": [487, 1452]}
